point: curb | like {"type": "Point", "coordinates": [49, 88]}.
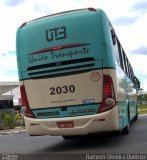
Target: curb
{"type": "Point", "coordinates": [12, 131]}
{"type": "Point", "coordinates": [142, 115]}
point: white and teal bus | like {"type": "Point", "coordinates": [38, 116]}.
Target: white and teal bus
{"type": "Point", "coordinates": [75, 76]}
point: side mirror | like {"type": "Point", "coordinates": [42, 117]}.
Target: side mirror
{"type": "Point", "coordinates": [113, 37]}
{"type": "Point", "coordinates": [136, 82]}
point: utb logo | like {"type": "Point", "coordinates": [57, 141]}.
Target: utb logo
{"type": "Point", "coordinates": [56, 33]}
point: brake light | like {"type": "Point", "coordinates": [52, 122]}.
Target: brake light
{"type": "Point", "coordinates": [59, 48]}
{"type": "Point", "coordinates": [92, 9]}
{"type": "Point", "coordinates": [23, 24]}
{"type": "Point", "coordinates": [108, 100]}
{"type": "Point", "coordinates": [25, 103]}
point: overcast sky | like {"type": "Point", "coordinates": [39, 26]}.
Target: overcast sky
{"type": "Point", "coordinates": [128, 17]}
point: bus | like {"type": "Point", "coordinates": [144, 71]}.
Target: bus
{"type": "Point", "coordinates": [75, 76]}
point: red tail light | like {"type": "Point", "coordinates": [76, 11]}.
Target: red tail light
{"type": "Point", "coordinates": [92, 9]}
{"type": "Point", "coordinates": [25, 103]}
{"type": "Point", "coordinates": [23, 24]}
{"type": "Point", "coordinates": [108, 100]}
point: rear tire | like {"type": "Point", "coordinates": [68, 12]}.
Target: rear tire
{"type": "Point", "coordinates": [70, 137]}
{"type": "Point", "coordinates": [136, 116]}
{"type": "Point", "coordinates": [126, 130]}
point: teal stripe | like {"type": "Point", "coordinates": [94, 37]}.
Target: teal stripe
{"type": "Point", "coordinates": [87, 109]}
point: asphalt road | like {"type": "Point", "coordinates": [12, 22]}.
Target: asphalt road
{"type": "Point", "coordinates": [134, 143]}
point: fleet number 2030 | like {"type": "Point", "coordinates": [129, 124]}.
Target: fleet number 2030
{"type": "Point", "coordinates": [63, 89]}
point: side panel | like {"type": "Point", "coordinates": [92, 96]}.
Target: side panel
{"type": "Point", "coordinates": [132, 97]}
{"type": "Point", "coordinates": [126, 96]}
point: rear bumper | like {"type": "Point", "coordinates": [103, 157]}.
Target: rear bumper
{"type": "Point", "coordinates": [103, 122]}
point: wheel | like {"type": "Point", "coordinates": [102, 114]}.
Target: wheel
{"type": "Point", "coordinates": [136, 117]}
{"type": "Point", "coordinates": [126, 130]}
{"type": "Point", "coordinates": [70, 137]}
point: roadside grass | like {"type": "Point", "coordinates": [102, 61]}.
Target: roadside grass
{"type": "Point", "coordinates": [142, 109]}
{"type": "Point", "coordinates": [10, 120]}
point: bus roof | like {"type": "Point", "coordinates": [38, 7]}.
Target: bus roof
{"type": "Point", "coordinates": [58, 14]}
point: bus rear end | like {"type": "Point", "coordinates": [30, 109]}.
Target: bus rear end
{"type": "Point", "coordinates": [64, 87]}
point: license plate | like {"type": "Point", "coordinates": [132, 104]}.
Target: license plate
{"type": "Point", "coordinates": [66, 124]}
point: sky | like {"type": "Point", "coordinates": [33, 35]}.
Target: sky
{"type": "Point", "coordinates": [128, 17]}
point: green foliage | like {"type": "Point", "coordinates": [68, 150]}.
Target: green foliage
{"type": "Point", "coordinates": [142, 98]}
{"type": "Point", "coordinates": [142, 109]}
{"type": "Point", "coordinates": [8, 120]}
